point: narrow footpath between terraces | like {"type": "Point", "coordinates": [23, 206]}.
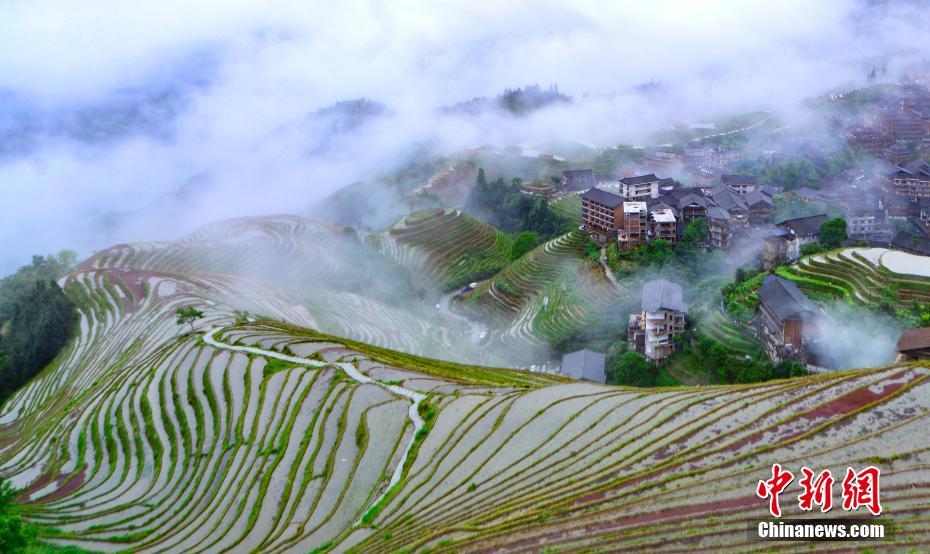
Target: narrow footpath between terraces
{"type": "Point", "coordinates": [350, 370]}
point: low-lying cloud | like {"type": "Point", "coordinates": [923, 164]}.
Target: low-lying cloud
{"type": "Point", "coordinates": [121, 123]}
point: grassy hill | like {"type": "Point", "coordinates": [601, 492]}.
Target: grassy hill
{"type": "Point", "coordinates": [275, 437]}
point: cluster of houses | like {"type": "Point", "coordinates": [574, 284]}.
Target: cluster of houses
{"type": "Point", "coordinates": [896, 128]}
{"type": "Point", "coordinates": [637, 210]}
{"type": "Point", "coordinates": [788, 325]}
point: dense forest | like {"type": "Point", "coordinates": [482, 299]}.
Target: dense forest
{"type": "Point", "coordinates": [36, 319]}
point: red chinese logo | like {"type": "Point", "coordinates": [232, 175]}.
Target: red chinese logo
{"type": "Point", "coordinates": [859, 489]}
{"type": "Point", "coordinates": [817, 491]}
{"type": "Point", "coordinates": [773, 487]}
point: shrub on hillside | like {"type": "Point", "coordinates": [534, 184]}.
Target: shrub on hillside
{"type": "Point", "coordinates": [634, 370]}
{"type": "Point", "coordinates": [523, 243]}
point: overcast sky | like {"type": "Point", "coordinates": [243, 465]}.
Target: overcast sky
{"type": "Point", "coordinates": [139, 121]}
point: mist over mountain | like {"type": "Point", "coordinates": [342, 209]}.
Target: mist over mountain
{"type": "Point", "coordinates": [129, 125]}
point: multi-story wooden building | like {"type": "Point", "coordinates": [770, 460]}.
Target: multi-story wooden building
{"type": "Point", "coordinates": [787, 320]}
{"type": "Point", "coordinates": [635, 227]}
{"type": "Point", "coordinates": [761, 206]}
{"type": "Point", "coordinates": [807, 229]}
{"type": "Point", "coordinates": [640, 187]}
{"type": "Point", "coordinates": [734, 204]}
{"type": "Point", "coordinates": [652, 331]}
{"type": "Point", "coordinates": [740, 184]}
{"type": "Point", "coordinates": [719, 223]}
{"type": "Point", "coordinates": [663, 224]}
{"type": "Point", "coordinates": [601, 213]}
{"type": "Point", "coordinates": [912, 180]}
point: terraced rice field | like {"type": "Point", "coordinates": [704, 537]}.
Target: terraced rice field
{"type": "Point", "coordinates": [445, 247]}
{"type": "Point", "coordinates": [568, 206]}
{"type": "Point", "coordinates": [717, 327]}
{"type": "Point", "coordinates": [865, 276]}
{"type": "Point", "coordinates": [543, 295]}
{"type": "Point", "coordinates": [272, 437]}
{"type": "Point", "coordinates": [310, 265]}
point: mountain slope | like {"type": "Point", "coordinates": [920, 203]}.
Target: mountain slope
{"type": "Point", "coordinates": [270, 436]}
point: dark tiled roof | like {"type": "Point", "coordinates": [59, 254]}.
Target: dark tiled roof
{"type": "Point", "coordinates": [732, 179]}
{"type": "Point", "coordinates": [661, 294]}
{"type": "Point", "coordinates": [715, 212]}
{"type": "Point", "coordinates": [603, 197]}
{"type": "Point", "coordinates": [729, 200]}
{"type": "Point", "coordinates": [640, 179]}
{"type": "Point", "coordinates": [784, 298]}
{"type": "Point", "coordinates": [802, 226]}
{"type": "Point", "coordinates": [756, 197]}
{"type": "Point", "coordinates": [914, 339]}
{"type": "Point", "coordinates": [584, 364]}
{"type": "Point", "coordinates": [689, 199]}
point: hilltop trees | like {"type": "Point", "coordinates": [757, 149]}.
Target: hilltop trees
{"type": "Point", "coordinates": [506, 207]}
{"type": "Point", "coordinates": [42, 319]}
{"type": "Point", "coordinates": [42, 268]}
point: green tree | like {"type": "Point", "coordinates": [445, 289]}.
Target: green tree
{"type": "Point", "coordinates": [42, 268]}
{"type": "Point", "coordinates": [810, 249]}
{"type": "Point", "coordinates": [633, 369]}
{"type": "Point", "coordinates": [523, 243]}
{"type": "Point", "coordinates": [188, 315]}
{"type": "Point", "coordinates": [833, 233]}
{"type": "Point", "coordinates": [42, 321]}
{"type": "Point", "coordinates": [15, 535]}
{"type": "Point", "coordinates": [658, 252]}
{"type": "Point", "coordinates": [696, 232]}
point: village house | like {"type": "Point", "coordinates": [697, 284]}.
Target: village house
{"type": "Point", "coordinates": [663, 224]}
{"type": "Point", "coordinates": [733, 203]}
{"type": "Point", "coordinates": [640, 188]}
{"type": "Point", "coordinates": [693, 206]}
{"type": "Point", "coordinates": [914, 345]}
{"type": "Point", "coordinates": [912, 180]}
{"type": "Point", "coordinates": [633, 232]}
{"type": "Point", "coordinates": [787, 320]}
{"type": "Point", "coordinates": [896, 207]}
{"type": "Point", "coordinates": [601, 213]}
{"type": "Point", "coordinates": [807, 229]}
{"type": "Point", "coordinates": [652, 331]}
{"type": "Point", "coordinates": [719, 224]}
{"type": "Point", "coordinates": [577, 179]}
{"type": "Point", "coordinates": [872, 141]}
{"type": "Point", "coordinates": [740, 184]}
{"type": "Point", "coordinates": [584, 365]}
{"type": "Point", "coordinates": [865, 221]}
{"type": "Point", "coordinates": [898, 153]}
{"type": "Point", "coordinates": [780, 247]}
{"type": "Point", "coordinates": [761, 206]}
